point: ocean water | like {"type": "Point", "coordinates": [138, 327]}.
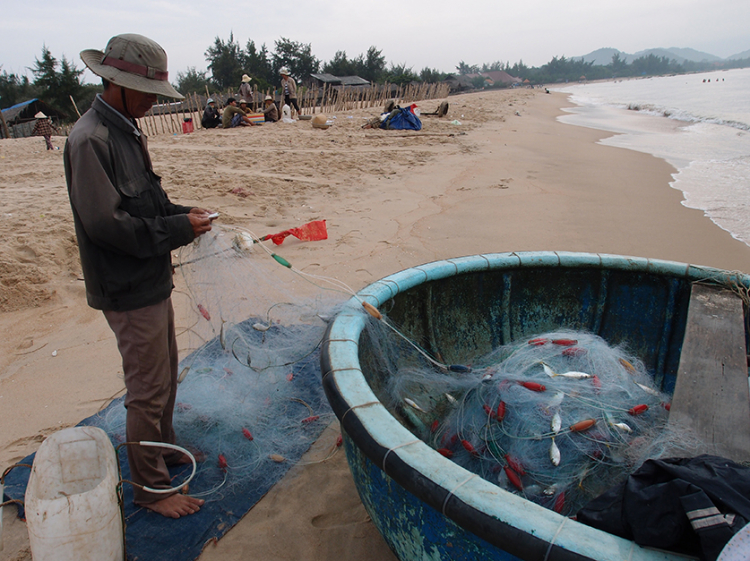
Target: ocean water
{"type": "Point", "coordinates": [700, 123]}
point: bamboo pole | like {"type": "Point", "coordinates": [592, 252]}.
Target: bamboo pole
{"type": "Point", "coordinates": [163, 122]}
{"type": "Point", "coordinates": [73, 101]}
{"type": "Point", "coordinates": [6, 132]}
{"type": "Point", "coordinates": [191, 103]}
{"type": "Point", "coordinates": [172, 115]}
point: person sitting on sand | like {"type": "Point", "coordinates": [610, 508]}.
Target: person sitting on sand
{"type": "Point", "coordinates": [234, 116]}
{"type": "Point", "coordinates": [211, 118]}
{"type": "Point", "coordinates": [127, 228]}
{"type": "Point", "coordinates": [244, 107]}
{"type": "Point", "coordinates": [270, 111]}
{"type": "Point", "coordinates": [43, 127]}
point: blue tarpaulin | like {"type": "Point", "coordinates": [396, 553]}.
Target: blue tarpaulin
{"type": "Point", "coordinates": [150, 536]}
{"type": "Point", "coordinates": [401, 119]}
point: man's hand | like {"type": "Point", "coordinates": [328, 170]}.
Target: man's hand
{"type": "Point", "coordinates": [199, 220]}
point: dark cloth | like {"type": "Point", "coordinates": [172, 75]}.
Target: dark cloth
{"type": "Point", "coordinates": [687, 505]}
{"type": "Point", "coordinates": [211, 118]}
{"type": "Point", "coordinates": [125, 223]}
{"type": "Point", "coordinates": [148, 345]}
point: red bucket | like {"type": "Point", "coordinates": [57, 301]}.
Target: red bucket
{"type": "Point", "coordinates": [187, 126]}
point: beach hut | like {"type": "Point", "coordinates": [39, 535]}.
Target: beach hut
{"type": "Point", "coordinates": [500, 78]}
{"type": "Point", "coordinates": [20, 120]}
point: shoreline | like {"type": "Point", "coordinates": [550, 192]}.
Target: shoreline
{"type": "Point", "coordinates": [708, 145]}
{"type": "Point", "coordinates": [518, 180]}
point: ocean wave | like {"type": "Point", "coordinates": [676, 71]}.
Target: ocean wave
{"type": "Point", "coordinates": [685, 116]}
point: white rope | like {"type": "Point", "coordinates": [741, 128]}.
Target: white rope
{"type": "Point", "coordinates": [551, 543]}
{"type": "Point", "coordinates": [450, 493]}
{"type": "Point", "coordinates": [396, 448]}
{"type": "Point", "coordinates": [367, 404]}
{"type": "Point", "coordinates": [173, 447]}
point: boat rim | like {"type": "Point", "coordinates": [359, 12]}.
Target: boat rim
{"type": "Point", "coordinates": [499, 517]}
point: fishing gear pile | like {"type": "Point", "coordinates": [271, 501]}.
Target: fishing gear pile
{"type": "Point", "coordinates": [557, 418]}
{"type": "Point", "coordinates": [249, 394]}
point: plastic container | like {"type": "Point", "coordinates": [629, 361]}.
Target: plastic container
{"type": "Point", "coordinates": [187, 125]}
{"type": "Point", "coordinates": [71, 500]}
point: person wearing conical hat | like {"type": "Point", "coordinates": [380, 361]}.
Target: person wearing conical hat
{"type": "Point", "coordinates": [127, 228]}
{"type": "Point", "coordinates": [43, 127]}
{"type": "Point", "coordinates": [246, 92]}
{"type": "Point", "coordinates": [288, 88]}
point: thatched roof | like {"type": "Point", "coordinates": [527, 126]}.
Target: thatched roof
{"type": "Point", "coordinates": [26, 110]}
{"type": "Point", "coordinates": [501, 77]}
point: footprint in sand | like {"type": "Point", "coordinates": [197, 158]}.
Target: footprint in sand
{"type": "Point", "coordinates": [351, 517]}
{"type": "Point", "coordinates": [25, 254]}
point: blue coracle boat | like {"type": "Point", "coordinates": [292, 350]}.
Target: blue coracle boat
{"type": "Point", "coordinates": [426, 506]}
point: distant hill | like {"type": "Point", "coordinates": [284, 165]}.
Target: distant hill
{"type": "Point", "coordinates": [604, 56]}
{"type": "Point", "coordinates": [743, 54]}
{"type": "Point", "coordinates": [601, 57]}
{"type": "Point", "coordinates": [680, 55]}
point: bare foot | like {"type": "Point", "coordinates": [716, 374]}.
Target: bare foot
{"type": "Point", "coordinates": [175, 505]}
{"type": "Point", "coordinates": [179, 458]}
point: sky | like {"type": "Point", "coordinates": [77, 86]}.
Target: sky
{"type": "Point", "coordinates": [419, 33]}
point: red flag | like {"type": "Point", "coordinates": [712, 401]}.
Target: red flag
{"type": "Point", "coordinates": [310, 232]}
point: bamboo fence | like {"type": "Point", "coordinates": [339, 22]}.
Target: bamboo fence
{"type": "Point", "coordinates": [172, 118]}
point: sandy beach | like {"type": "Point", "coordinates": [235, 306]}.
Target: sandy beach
{"type": "Point", "coordinates": [509, 177]}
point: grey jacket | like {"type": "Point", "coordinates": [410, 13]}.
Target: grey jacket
{"type": "Point", "coordinates": [125, 224]}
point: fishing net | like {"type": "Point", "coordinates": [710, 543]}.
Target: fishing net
{"type": "Point", "coordinates": [558, 418]}
{"type": "Point", "coordinates": [249, 394]}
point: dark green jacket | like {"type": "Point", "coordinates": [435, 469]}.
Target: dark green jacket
{"type": "Point", "coordinates": [125, 224]}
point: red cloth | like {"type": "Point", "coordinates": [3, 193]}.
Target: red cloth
{"type": "Point", "coordinates": [310, 232]}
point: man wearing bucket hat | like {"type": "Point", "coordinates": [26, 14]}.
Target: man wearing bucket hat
{"type": "Point", "coordinates": [126, 228]}
{"type": "Point", "coordinates": [289, 88]}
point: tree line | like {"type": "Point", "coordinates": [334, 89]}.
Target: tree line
{"type": "Point", "coordinates": [228, 61]}
{"type": "Point", "coordinates": [564, 69]}
{"type": "Point", "coordinates": [57, 81]}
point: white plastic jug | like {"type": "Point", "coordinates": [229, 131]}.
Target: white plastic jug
{"type": "Point", "coordinates": [286, 114]}
{"type": "Point", "coordinates": [71, 499]}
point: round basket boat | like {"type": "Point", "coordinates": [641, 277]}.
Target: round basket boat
{"type": "Point", "coordinates": [426, 506]}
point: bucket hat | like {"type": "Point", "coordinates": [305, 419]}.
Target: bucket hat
{"type": "Point", "coordinates": [246, 78]}
{"type": "Point", "coordinates": [132, 61]}
{"type": "Point", "coordinates": [268, 98]}
{"type": "Point", "coordinates": [284, 70]}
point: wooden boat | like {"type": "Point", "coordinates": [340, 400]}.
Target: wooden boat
{"type": "Point", "coordinates": [426, 506]}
